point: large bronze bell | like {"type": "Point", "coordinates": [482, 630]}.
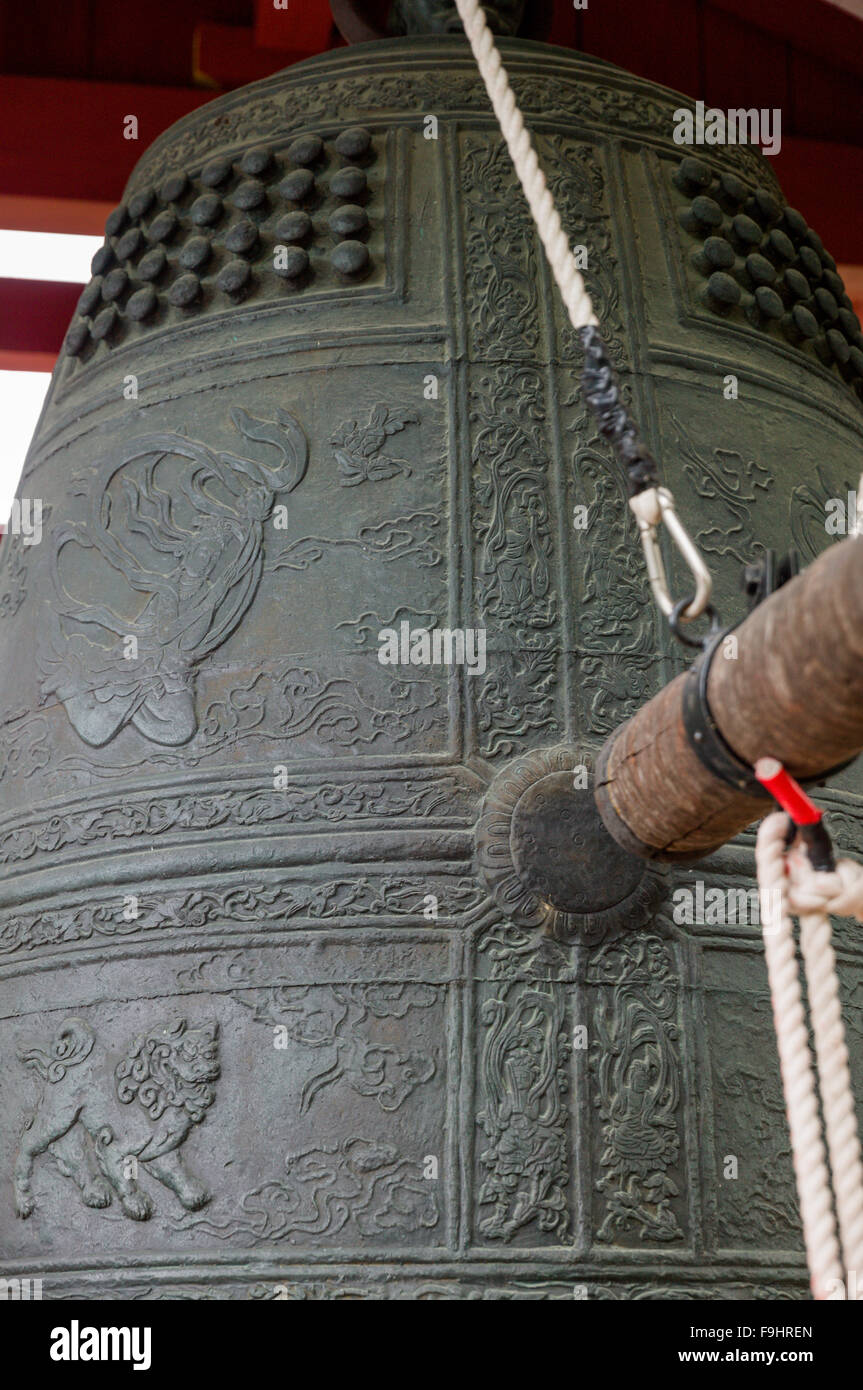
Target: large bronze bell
{"type": "Point", "coordinates": [319, 978]}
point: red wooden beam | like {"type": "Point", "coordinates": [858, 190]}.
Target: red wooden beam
{"type": "Point", "coordinates": [659, 41]}
{"type": "Point", "coordinates": [11, 361]}
{"type": "Point", "coordinates": [227, 55]}
{"type": "Point", "coordinates": [853, 278]}
{"type": "Point", "coordinates": [564, 29]}
{"type": "Point", "coordinates": [300, 26]}
{"type": "Point", "coordinates": [65, 138]}
{"type": "Point", "coordinates": [812, 26]}
{"type": "Point", "coordinates": [824, 181]}
{"type": "Point", "coordinates": [34, 314]}
{"type": "Point", "coordinates": [70, 215]}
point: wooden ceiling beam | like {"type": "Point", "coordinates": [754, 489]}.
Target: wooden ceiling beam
{"type": "Point", "coordinates": [65, 138]}
{"type": "Point", "coordinates": [299, 26]}
{"type": "Point", "coordinates": [34, 314]}
{"type": "Point", "coordinates": [70, 215]}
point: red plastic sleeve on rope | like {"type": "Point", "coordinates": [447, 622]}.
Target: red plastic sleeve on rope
{"type": "Point", "coordinates": [790, 795]}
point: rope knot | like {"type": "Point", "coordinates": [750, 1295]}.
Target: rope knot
{"type": "Point", "coordinates": [839, 894]}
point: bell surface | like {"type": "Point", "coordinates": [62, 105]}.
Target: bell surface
{"type": "Point", "coordinates": [318, 978]}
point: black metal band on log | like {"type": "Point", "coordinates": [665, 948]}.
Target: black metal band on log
{"type": "Point", "coordinates": [794, 692]}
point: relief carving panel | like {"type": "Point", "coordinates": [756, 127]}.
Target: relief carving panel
{"type": "Point", "coordinates": [748, 1122]}
{"type": "Point", "coordinates": [168, 1073]}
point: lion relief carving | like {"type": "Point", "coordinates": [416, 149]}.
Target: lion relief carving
{"type": "Point", "coordinates": [102, 1131]}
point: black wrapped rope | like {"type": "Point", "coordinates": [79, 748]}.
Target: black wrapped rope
{"type": "Point", "coordinates": [602, 392]}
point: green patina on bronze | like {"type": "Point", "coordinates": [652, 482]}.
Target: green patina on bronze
{"type": "Point", "coordinates": [269, 910]}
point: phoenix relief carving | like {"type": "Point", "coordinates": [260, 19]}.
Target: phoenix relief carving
{"type": "Point", "coordinates": [170, 556]}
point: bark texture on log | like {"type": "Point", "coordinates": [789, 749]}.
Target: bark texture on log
{"type": "Point", "coordinates": [793, 692]}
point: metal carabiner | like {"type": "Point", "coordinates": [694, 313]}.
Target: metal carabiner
{"type": "Point", "coordinates": [655, 507]}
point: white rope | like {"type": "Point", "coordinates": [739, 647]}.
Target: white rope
{"type": "Point", "coordinates": [815, 897]}
{"type": "Point", "coordinates": [787, 885]}
{"type": "Point", "coordinates": [795, 1060]}
{"type": "Point", "coordinates": [545, 214]}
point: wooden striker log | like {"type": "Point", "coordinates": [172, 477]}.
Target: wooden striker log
{"type": "Point", "coordinates": [794, 692]}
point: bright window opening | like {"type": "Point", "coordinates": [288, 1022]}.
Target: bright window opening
{"type": "Point", "coordinates": [47, 256]}
{"type": "Point", "coordinates": [21, 397]}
